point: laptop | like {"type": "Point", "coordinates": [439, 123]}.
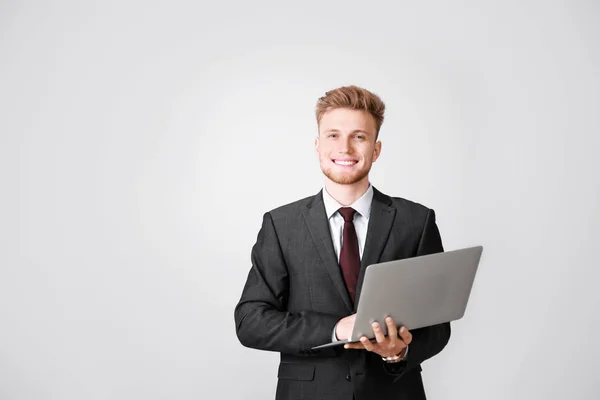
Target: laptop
{"type": "Point", "coordinates": [416, 292]}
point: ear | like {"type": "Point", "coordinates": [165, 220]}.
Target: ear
{"type": "Point", "coordinates": [377, 151]}
{"type": "Point", "coordinates": [317, 144]}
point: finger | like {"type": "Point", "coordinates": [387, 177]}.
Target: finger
{"type": "Point", "coordinates": [354, 346]}
{"type": "Point", "coordinates": [378, 332]}
{"type": "Point", "coordinates": [392, 331]}
{"type": "Point", "coordinates": [366, 343]}
{"type": "Point", "coordinates": [405, 335]}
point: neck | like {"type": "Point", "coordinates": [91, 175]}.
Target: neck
{"type": "Point", "coordinates": [346, 194]}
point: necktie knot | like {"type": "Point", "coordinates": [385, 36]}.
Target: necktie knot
{"type": "Point", "coordinates": [347, 213]}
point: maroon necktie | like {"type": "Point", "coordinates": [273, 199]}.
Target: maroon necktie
{"type": "Point", "coordinates": [349, 255]}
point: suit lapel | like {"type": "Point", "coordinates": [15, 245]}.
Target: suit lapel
{"type": "Point", "coordinates": [380, 223]}
{"type": "Point", "coordinates": [318, 226]}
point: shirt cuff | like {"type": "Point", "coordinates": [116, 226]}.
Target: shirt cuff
{"type": "Point", "coordinates": [333, 338]}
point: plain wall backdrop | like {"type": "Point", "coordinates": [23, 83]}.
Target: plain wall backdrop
{"type": "Point", "coordinates": [141, 143]}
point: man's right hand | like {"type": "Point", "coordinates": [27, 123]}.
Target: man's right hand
{"type": "Point", "coordinates": [344, 327]}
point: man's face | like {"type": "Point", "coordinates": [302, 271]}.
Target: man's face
{"type": "Point", "coordinates": [346, 145]}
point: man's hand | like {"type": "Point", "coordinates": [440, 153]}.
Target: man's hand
{"type": "Point", "coordinates": [344, 327]}
{"type": "Point", "coordinates": [395, 343]}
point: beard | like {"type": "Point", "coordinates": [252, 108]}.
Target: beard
{"type": "Point", "coordinates": [347, 178]}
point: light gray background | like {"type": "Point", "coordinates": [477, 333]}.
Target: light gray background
{"type": "Point", "coordinates": [141, 143]}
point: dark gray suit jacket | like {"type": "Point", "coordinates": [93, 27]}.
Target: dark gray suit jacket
{"type": "Point", "coordinates": [295, 294]}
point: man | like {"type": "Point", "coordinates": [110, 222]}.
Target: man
{"type": "Point", "coordinates": [308, 264]}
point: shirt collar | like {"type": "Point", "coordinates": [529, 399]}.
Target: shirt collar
{"type": "Point", "coordinates": [362, 205]}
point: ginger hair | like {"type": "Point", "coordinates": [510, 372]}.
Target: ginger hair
{"type": "Point", "coordinates": [354, 98]}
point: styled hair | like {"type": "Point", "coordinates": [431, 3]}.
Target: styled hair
{"type": "Point", "coordinates": [354, 98]}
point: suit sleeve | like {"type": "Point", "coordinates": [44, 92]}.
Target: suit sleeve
{"type": "Point", "coordinates": [431, 340]}
{"type": "Point", "coordinates": [261, 316]}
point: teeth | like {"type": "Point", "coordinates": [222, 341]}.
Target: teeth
{"type": "Point", "coordinates": [345, 162]}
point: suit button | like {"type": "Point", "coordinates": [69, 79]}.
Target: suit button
{"type": "Point", "coordinates": [348, 378]}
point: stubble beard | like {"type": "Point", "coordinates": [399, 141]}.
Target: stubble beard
{"type": "Point", "coordinates": [345, 179]}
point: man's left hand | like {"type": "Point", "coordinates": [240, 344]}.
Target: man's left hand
{"type": "Point", "coordinates": [386, 346]}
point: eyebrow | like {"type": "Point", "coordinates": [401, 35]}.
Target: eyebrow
{"type": "Point", "coordinates": [354, 131]}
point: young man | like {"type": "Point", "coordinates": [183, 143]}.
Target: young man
{"type": "Point", "coordinates": [308, 264]}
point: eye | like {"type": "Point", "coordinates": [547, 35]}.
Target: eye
{"type": "Point", "coordinates": [332, 135]}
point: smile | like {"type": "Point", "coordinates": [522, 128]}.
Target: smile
{"type": "Point", "coordinates": [345, 163]}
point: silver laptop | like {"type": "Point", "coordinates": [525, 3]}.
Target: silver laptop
{"type": "Point", "coordinates": [416, 292]}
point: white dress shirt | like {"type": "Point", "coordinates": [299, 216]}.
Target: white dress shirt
{"type": "Point", "coordinates": [336, 221]}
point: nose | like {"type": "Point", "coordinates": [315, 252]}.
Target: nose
{"type": "Point", "coordinates": [345, 146]}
